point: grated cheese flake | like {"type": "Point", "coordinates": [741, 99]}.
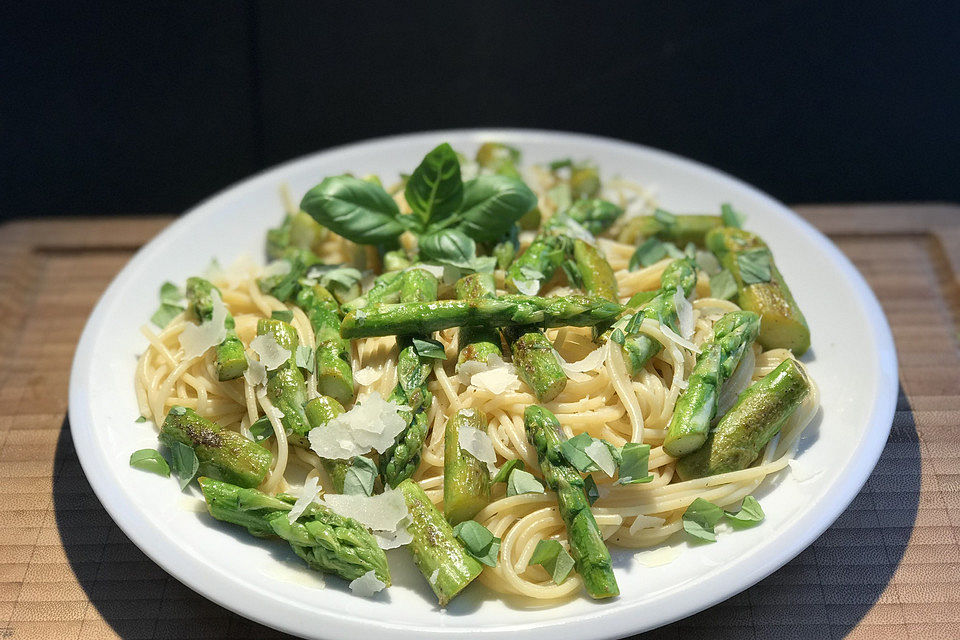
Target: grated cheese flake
{"type": "Point", "coordinates": [599, 453]}
{"type": "Point", "coordinates": [494, 375]}
{"type": "Point", "coordinates": [197, 338]}
{"type": "Point", "coordinates": [645, 522]}
{"type": "Point", "coordinates": [478, 444]}
{"type": "Point", "coordinates": [684, 314]}
{"type": "Point", "coordinates": [256, 373]}
{"type": "Point", "coordinates": [393, 539]}
{"type": "Point", "coordinates": [382, 512]}
{"type": "Point", "coordinates": [372, 423]}
{"type": "Point", "coordinates": [576, 370]}
{"type": "Point", "coordinates": [367, 585]}
{"type": "Point", "coordinates": [271, 354]}
{"type": "Point", "coordinates": [527, 287]}
{"type": "Point", "coordinates": [308, 493]}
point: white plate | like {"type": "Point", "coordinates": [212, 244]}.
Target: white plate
{"type": "Point", "coordinates": [852, 359]}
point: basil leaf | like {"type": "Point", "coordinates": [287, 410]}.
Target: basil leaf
{"type": "Point", "coordinates": [305, 357]}
{"type": "Point", "coordinates": [165, 313]}
{"type": "Point", "coordinates": [285, 316]}
{"type": "Point", "coordinates": [429, 348]}
{"type": "Point", "coordinates": [730, 216]}
{"type": "Point", "coordinates": [451, 246]}
{"type": "Point", "coordinates": [651, 251]}
{"type": "Point", "coordinates": [723, 286]}
{"type": "Point", "coordinates": [435, 189]}
{"type": "Point", "coordinates": [504, 472]}
{"type": "Point", "coordinates": [562, 163]}
{"type": "Point", "coordinates": [478, 541]}
{"type": "Point", "coordinates": [150, 460]}
{"type": "Point", "coordinates": [551, 555]}
{"type": "Point", "coordinates": [700, 518]}
{"type": "Point", "coordinates": [521, 482]}
{"type": "Point", "coordinates": [618, 336]}
{"type": "Point", "coordinates": [634, 460]}
{"type": "Point", "coordinates": [345, 277]}
{"type": "Point", "coordinates": [359, 477]}
{"type": "Point", "coordinates": [573, 450]}
{"type": "Point", "coordinates": [491, 205]}
{"type": "Point", "coordinates": [183, 462]}
{"type": "Point", "coordinates": [591, 489]}
{"type": "Point", "coordinates": [755, 266]}
{"type": "Point", "coordinates": [572, 271]}
{"type": "Point", "coordinates": [748, 515]}
{"type": "Point", "coordinates": [261, 429]}
{"type": "Point", "coordinates": [665, 218]}
{"type": "Point", "coordinates": [140, 419]}
{"type": "Point", "coordinates": [170, 293]}
{"type": "Point", "coordinates": [355, 209]}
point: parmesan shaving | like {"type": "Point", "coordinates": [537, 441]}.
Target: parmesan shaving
{"type": "Point", "coordinates": [737, 383]}
{"type": "Point", "coordinates": [373, 423]}
{"type": "Point", "coordinates": [393, 539]}
{"type": "Point", "coordinates": [576, 370]}
{"type": "Point", "coordinates": [368, 375]}
{"type": "Point", "coordinates": [256, 373]}
{"type": "Point", "coordinates": [494, 375]}
{"type": "Point", "coordinates": [684, 314]}
{"type": "Point", "coordinates": [658, 557]}
{"type": "Point", "coordinates": [477, 443]}
{"type": "Point", "coordinates": [802, 473]}
{"type": "Point", "coordinates": [382, 512]}
{"type": "Point", "coordinates": [598, 452]}
{"type": "Point", "coordinates": [367, 585]}
{"type": "Point", "coordinates": [197, 338]}
{"type": "Point", "coordinates": [670, 335]}
{"type": "Point", "coordinates": [271, 354]}
{"type": "Point", "coordinates": [306, 497]}
{"type": "Point", "coordinates": [527, 287]}
{"type": "Point", "coordinates": [276, 268]}
{"type": "Point", "coordinates": [645, 522]}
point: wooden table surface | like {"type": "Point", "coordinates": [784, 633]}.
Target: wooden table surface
{"type": "Point", "coordinates": [888, 568]}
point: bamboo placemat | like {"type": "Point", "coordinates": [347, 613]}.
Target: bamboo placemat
{"type": "Point", "coordinates": [888, 568]}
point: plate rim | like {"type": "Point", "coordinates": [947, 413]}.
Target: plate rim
{"type": "Point", "coordinates": [213, 585]}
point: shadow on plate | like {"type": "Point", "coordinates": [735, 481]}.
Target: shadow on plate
{"type": "Point", "coordinates": [824, 592]}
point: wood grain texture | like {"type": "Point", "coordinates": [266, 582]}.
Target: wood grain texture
{"type": "Point", "coordinates": [888, 568]}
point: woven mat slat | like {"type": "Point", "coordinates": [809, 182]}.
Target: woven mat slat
{"type": "Point", "coordinates": [888, 568]}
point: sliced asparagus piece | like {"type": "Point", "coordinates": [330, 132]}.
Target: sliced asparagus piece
{"type": "Point", "coordinates": [286, 386]}
{"type": "Point", "coordinates": [477, 342]}
{"type": "Point", "coordinates": [334, 374]}
{"type": "Point", "coordinates": [401, 460]}
{"type": "Point", "coordinates": [510, 310]}
{"type": "Point", "coordinates": [587, 547]}
{"type": "Point", "coordinates": [536, 362]}
{"type": "Point", "coordinates": [327, 541]}
{"type": "Point", "coordinates": [761, 288]}
{"type": "Point", "coordinates": [695, 409]}
{"type": "Point", "coordinates": [748, 426]}
{"type": "Point", "coordinates": [231, 359]}
{"type": "Point", "coordinates": [436, 551]}
{"type": "Point", "coordinates": [596, 272]}
{"type": "Point", "coordinates": [679, 229]}
{"type": "Point", "coordinates": [466, 480]}
{"type": "Point", "coordinates": [222, 453]}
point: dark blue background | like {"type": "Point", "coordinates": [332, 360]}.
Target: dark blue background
{"type": "Point", "coordinates": [148, 107]}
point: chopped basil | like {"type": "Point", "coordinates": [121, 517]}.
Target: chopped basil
{"type": "Point", "coordinates": [634, 462]}
{"type": "Point", "coordinates": [700, 518]}
{"type": "Point", "coordinates": [177, 410]}
{"type": "Point", "coordinates": [665, 218]}
{"type": "Point", "coordinates": [150, 460]}
{"type": "Point", "coordinates": [590, 487]}
{"type": "Point", "coordinates": [140, 419]}
{"type": "Point", "coordinates": [748, 515]}
{"type": "Point", "coordinates": [730, 216]}
{"type": "Point", "coordinates": [723, 286]}
{"type": "Point", "coordinates": [618, 336]}
{"type": "Point", "coordinates": [165, 313]}
{"type": "Point", "coordinates": [170, 293]}
{"type": "Point", "coordinates": [521, 482]}
{"type": "Point", "coordinates": [573, 450]}
{"type": "Point", "coordinates": [503, 473]}
{"type": "Point", "coordinates": [183, 462]}
{"type": "Point", "coordinates": [532, 274]}
{"type": "Point", "coordinates": [478, 541]}
{"type": "Point", "coordinates": [428, 348]}
{"type": "Point", "coordinates": [360, 477]}
{"type": "Point", "coordinates": [261, 429]}
{"type": "Point", "coordinates": [572, 271]}
{"type": "Point", "coordinates": [562, 163]}
{"type": "Point", "coordinates": [346, 277]}
{"type": "Point", "coordinates": [651, 251]}
{"type": "Point", "coordinates": [286, 315]}
{"type": "Point", "coordinates": [305, 357]}
{"type": "Point", "coordinates": [755, 266]}
{"type": "Point", "coordinates": [551, 555]}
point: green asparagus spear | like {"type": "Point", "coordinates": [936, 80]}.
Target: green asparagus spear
{"type": "Point", "coordinates": [385, 289]}
{"type": "Point", "coordinates": [595, 215]}
{"type": "Point", "coordinates": [536, 362]}
{"type": "Point", "coordinates": [638, 348]}
{"type": "Point", "coordinates": [748, 426]}
{"type": "Point", "coordinates": [499, 159]}
{"type": "Point", "coordinates": [596, 272]}
{"type": "Point", "coordinates": [231, 359]}
{"type": "Point", "coordinates": [286, 387]}
{"type": "Point", "coordinates": [584, 182]}
{"type": "Point", "coordinates": [222, 453]}
{"type": "Point", "coordinates": [327, 541]}
{"type": "Point", "coordinates": [677, 229]}
{"type": "Point", "coordinates": [396, 260]}
{"type": "Point", "coordinates": [334, 374]}
{"type": "Point", "coordinates": [477, 342]}
{"type": "Point", "coordinates": [537, 264]}
{"type": "Point", "coordinates": [696, 408]}
{"type": "Point", "coordinates": [510, 310]}
{"type": "Point", "coordinates": [466, 480]}
{"type": "Point", "coordinates": [401, 460]}
{"type": "Point", "coordinates": [589, 552]}
{"type": "Point", "coordinates": [761, 288]}
{"type": "Point", "coordinates": [436, 551]}
{"type": "Point", "coordinates": [319, 412]}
